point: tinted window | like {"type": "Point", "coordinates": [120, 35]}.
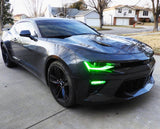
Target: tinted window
{"type": "Point", "coordinates": [59, 28]}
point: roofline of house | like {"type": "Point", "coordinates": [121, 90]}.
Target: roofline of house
{"type": "Point", "coordinates": [85, 14]}
{"type": "Point", "coordinates": [132, 7]}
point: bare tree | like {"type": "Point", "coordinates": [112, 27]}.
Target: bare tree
{"type": "Point", "coordinates": [99, 6]}
{"type": "Point", "coordinates": [156, 12]}
{"type": "Point", "coordinates": [1, 22]}
{"type": "Point", "coordinates": [35, 8]}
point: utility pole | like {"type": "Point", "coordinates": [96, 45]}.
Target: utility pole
{"type": "Point", "coordinates": [1, 16]}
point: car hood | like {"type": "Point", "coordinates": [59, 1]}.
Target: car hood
{"type": "Point", "coordinates": [109, 44]}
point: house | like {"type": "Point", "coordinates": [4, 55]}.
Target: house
{"type": "Point", "coordinates": [89, 17]}
{"type": "Point", "coordinates": [126, 15]}
{"type": "Point", "coordinates": [143, 14]}
{"type": "Point", "coordinates": [18, 17]}
{"type": "Point", "coordinates": [61, 12]}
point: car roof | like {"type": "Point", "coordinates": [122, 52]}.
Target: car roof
{"type": "Point", "coordinates": [45, 19]}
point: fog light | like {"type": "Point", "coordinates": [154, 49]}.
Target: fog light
{"type": "Point", "coordinates": [97, 82]}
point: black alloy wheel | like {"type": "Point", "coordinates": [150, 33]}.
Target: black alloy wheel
{"type": "Point", "coordinates": [6, 58]}
{"type": "Point", "coordinates": [60, 83]}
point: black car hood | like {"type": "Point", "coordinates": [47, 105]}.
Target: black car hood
{"type": "Point", "coordinates": [109, 44]}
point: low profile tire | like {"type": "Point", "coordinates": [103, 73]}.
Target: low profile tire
{"type": "Point", "coordinates": [6, 58]}
{"type": "Point", "coordinates": [61, 85]}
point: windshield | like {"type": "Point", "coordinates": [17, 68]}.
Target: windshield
{"type": "Point", "coordinates": [63, 28]}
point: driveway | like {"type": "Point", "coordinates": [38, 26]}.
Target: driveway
{"type": "Point", "coordinates": [25, 102]}
{"type": "Point", "coordinates": [125, 30]}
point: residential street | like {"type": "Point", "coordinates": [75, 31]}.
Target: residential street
{"type": "Point", "coordinates": [27, 103]}
{"type": "Point", "coordinates": [125, 30]}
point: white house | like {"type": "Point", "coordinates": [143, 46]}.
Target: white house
{"type": "Point", "coordinates": [61, 12]}
{"type": "Point", "coordinates": [126, 15]}
{"type": "Point", "coordinates": [144, 14]}
{"type": "Point", "coordinates": [89, 17]}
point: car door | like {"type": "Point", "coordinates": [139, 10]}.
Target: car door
{"type": "Point", "coordinates": [25, 49]}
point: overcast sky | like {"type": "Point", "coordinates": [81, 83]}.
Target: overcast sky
{"type": "Point", "coordinates": [19, 5]}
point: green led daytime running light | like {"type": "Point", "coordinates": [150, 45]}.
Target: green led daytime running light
{"type": "Point", "coordinates": [90, 67]}
{"type": "Point", "coordinates": [97, 82]}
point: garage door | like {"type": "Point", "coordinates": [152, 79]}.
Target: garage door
{"type": "Point", "coordinates": [93, 22]}
{"type": "Point", "coordinates": [122, 21]}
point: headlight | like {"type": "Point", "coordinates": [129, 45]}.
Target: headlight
{"type": "Point", "coordinates": [99, 66]}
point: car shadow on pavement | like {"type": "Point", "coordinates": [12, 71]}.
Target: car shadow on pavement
{"type": "Point", "coordinates": [115, 108]}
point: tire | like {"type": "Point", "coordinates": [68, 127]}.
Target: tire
{"type": "Point", "coordinates": [6, 58]}
{"type": "Point", "coordinates": [61, 85]}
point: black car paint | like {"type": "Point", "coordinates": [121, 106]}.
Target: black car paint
{"type": "Point", "coordinates": [36, 56]}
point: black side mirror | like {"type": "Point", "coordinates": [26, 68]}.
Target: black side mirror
{"type": "Point", "coordinates": [5, 29]}
{"type": "Point", "coordinates": [25, 33]}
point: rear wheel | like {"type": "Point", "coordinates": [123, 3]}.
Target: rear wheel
{"type": "Point", "coordinates": [6, 58]}
{"type": "Point", "coordinates": [61, 85]}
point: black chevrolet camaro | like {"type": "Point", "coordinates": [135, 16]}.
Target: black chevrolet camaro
{"type": "Point", "coordinates": [78, 63]}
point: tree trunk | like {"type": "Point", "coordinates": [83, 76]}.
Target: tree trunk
{"type": "Point", "coordinates": [0, 24]}
{"type": "Point", "coordinates": [155, 23]}
{"type": "Point", "coordinates": [1, 17]}
{"type": "Point", "coordinates": [101, 21]}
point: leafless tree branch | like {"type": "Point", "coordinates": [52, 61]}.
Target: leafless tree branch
{"type": "Point", "coordinates": [35, 8]}
{"type": "Point", "coordinates": [99, 6]}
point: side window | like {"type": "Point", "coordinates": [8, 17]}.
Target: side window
{"type": "Point", "coordinates": [25, 26]}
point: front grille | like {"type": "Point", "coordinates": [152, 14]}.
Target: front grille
{"type": "Point", "coordinates": [133, 64]}
{"type": "Point", "coordinates": [128, 88]}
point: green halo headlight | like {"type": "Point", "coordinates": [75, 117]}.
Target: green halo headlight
{"type": "Point", "coordinates": [108, 67]}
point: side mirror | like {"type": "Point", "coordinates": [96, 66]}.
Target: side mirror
{"type": "Point", "coordinates": [25, 33]}
{"type": "Point", "coordinates": [5, 29]}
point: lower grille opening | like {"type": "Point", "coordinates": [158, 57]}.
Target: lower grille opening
{"type": "Point", "coordinates": [130, 87]}
{"type": "Point", "coordinates": [93, 89]}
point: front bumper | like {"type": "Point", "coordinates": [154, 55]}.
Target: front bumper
{"type": "Point", "coordinates": [124, 84]}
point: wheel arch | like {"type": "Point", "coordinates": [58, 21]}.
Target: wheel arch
{"type": "Point", "coordinates": [50, 60]}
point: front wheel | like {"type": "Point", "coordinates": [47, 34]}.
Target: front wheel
{"type": "Point", "coordinates": [6, 58]}
{"type": "Point", "coordinates": [61, 84]}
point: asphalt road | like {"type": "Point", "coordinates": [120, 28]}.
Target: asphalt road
{"type": "Point", "coordinates": [125, 30]}
{"type": "Point", "coordinates": [27, 103]}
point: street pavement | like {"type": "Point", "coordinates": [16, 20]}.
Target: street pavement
{"type": "Point", "coordinates": [25, 102]}
{"type": "Point", "coordinates": [126, 30]}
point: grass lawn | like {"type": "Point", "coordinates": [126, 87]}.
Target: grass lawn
{"type": "Point", "coordinates": [152, 40]}
{"type": "Point", "coordinates": [130, 26]}
{"type": "Point", "coordinates": [98, 28]}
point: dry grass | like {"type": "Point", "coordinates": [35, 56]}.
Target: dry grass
{"type": "Point", "coordinates": [152, 40]}
{"type": "Point", "coordinates": [130, 26]}
{"type": "Point", "coordinates": [98, 28]}
{"type": "Point", "coordinates": [140, 33]}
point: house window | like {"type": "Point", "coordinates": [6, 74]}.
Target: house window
{"type": "Point", "coordinates": [130, 11]}
{"type": "Point", "coordinates": [145, 13]}
{"type": "Point", "coordinates": [119, 10]}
